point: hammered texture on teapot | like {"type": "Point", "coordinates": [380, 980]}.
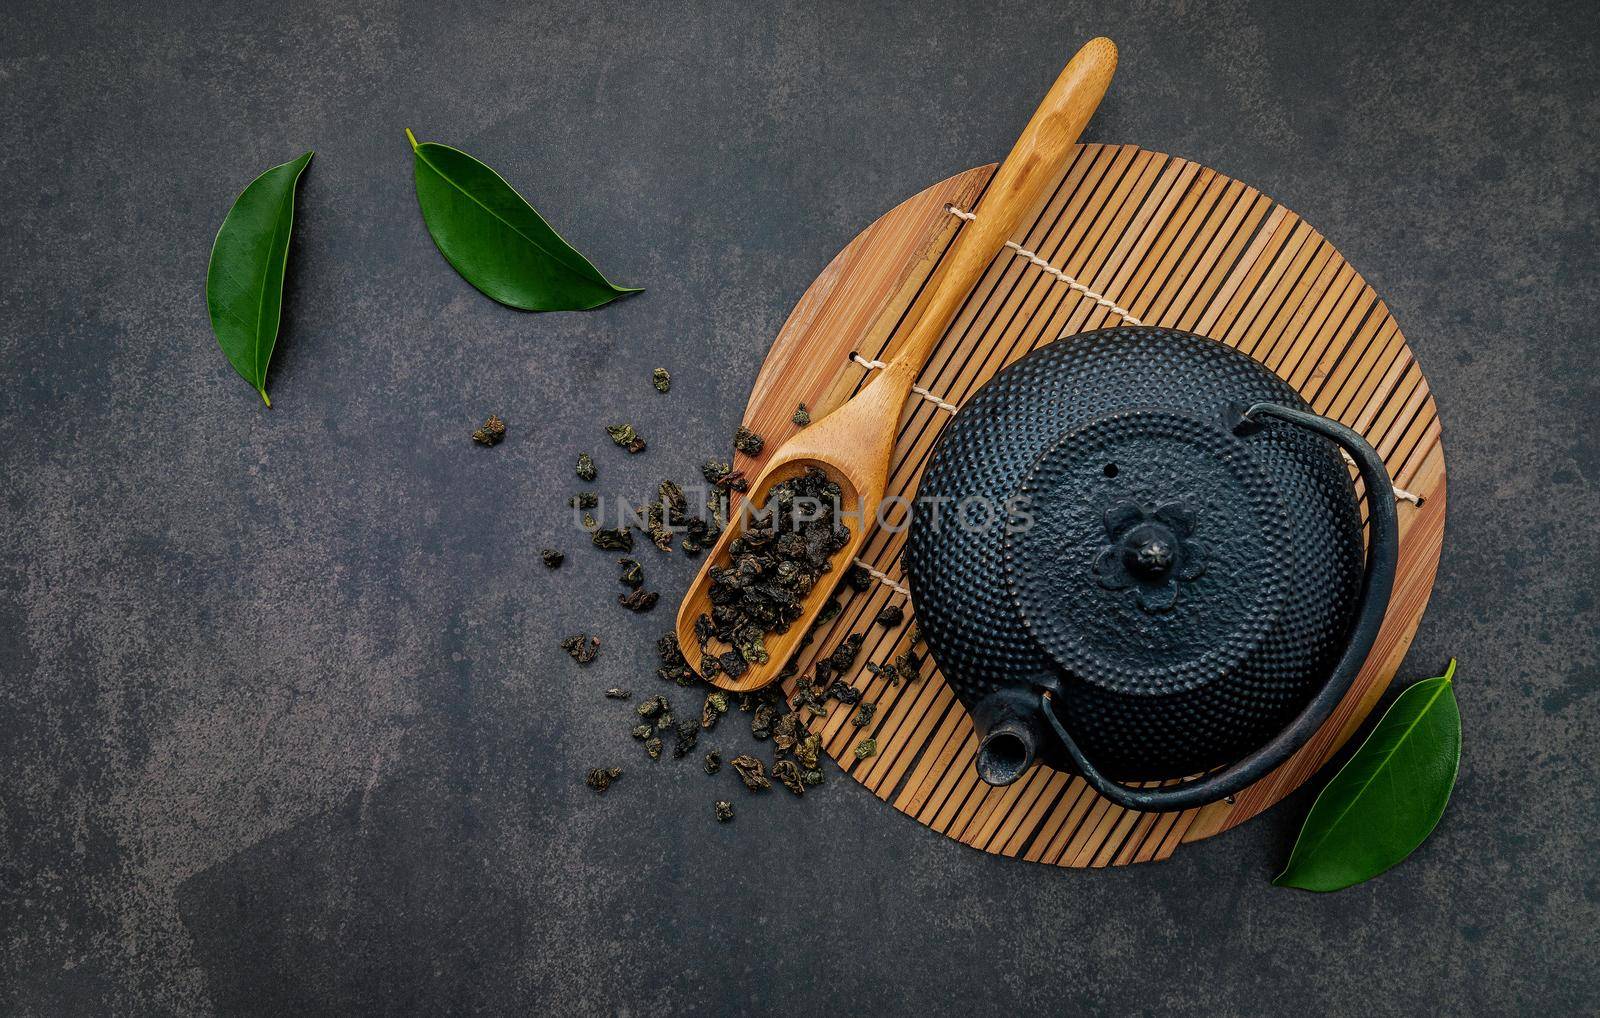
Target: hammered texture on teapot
{"type": "Point", "coordinates": [1186, 578]}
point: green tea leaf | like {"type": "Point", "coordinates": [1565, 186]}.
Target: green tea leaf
{"type": "Point", "coordinates": [244, 283]}
{"type": "Point", "coordinates": [496, 240]}
{"type": "Point", "coordinates": [1387, 799]}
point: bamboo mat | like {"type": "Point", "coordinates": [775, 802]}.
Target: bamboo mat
{"type": "Point", "coordinates": [1168, 243]}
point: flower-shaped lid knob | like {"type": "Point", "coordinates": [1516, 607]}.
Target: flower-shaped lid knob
{"type": "Point", "coordinates": [1148, 553]}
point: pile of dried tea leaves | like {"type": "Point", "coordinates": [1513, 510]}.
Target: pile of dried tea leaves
{"type": "Point", "coordinates": [783, 551]}
{"type": "Point", "coordinates": [773, 564]}
{"type": "Point", "coordinates": [783, 721]}
{"type": "Point", "coordinates": [796, 751]}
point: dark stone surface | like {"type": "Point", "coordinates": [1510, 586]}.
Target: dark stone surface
{"type": "Point", "coordinates": [283, 723]}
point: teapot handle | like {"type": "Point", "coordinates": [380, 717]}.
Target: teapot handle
{"type": "Point", "coordinates": [1377, 584]}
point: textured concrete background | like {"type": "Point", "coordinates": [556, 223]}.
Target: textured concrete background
{"type": "Point", "coordinates": [283, 722]}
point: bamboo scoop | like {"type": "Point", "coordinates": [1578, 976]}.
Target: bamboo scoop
{"type": "Point", "coordinates": [855, 442]}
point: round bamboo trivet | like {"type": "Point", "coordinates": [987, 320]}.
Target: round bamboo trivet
{"type": "Point", "coordinates": [1126, 235]}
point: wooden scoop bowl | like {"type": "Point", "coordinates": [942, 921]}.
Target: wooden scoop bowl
{"type": "Point", "coordinates": [855, 442]}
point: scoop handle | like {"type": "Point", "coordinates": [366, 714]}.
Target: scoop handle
{"type": "Point", "coordinates": [1034, 161]}
{"type": "Point", "coordinates": [1383, 554]}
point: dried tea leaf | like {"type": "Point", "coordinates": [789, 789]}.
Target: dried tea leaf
{"type": "Point", "coordinates": [685, 735]}
{"type": "Point", "coordinates": [807, 752]}
{"type": "Point", "coordinates": [702, 628]}
{"type": "Point", "coordinates": [747, 441]}
{"type": "Point", "coordinates": [807, 697]}
{"type": "Point", "coordinates": [601, 778]}
{"type": "Point", "coordinates": [659, 535]}
{"type": "Point", "coordinates": [584, 500]}
{"type": "Point", "coordinates": [864, 714]}
{"type": "Point", "coordinates": [668, 649]}
{"type": "Point", "coordinates": [661, 379]}
{"type": "Point", "coordinates": [844, 655]}
{"type": "Point", "coordinates": [672, 499]}
{"type": "Point", "coordinates": [632, 573]}
{"type": "Point", "coordinates": [715, 706]}
{"type": "Point", "coordinates": [586, 468]}
{"type": "Point", "coordinates": [713, 762]}
{"type": "Point", "coordinates": [656, 517]}
{"type": "Point", "coordinates": [617, 539]}
{"type": "Point", "coordinates": [618, 693]}
{"type": "Point", "coordinates": [788, 772]}
{"type": "Point", "coordinates": [788, 732]}
{"type": "Point", "coordinates": [909, 664]}
{"type": "Point", "coordinates": [582, 648]}
{"type": "Point", "coordinates": [750, 772]}
{"type": "Point", "coordinates": [714, 471]}
{"type": "Point", "coordinates": [866, 748]}
{"type": "Point", "coordinates": [906, 666]}
{"type": "Point", "coordinates": [827, 613]}
{"type": "Point", "coordinates": [891, 615]}
{"type": "Point", "coordinates": [812, 777]}
{"type": "Point", "coordinates": [802, 416]}
{"type": "Point", "coordinates": [845, 693]}
{"type": "Point", "coordinates": [761, 722]}
{"type": "Point", "coordinates": [724, 810]}
{"type": "Point", "coordinates": [493, 430]}
{"type": "Point", "coordinates": [652, 746]}
{"type": "Point", "coordinates": [625, 436]}
{"type": "Point", "coordinates": [552, 558]}
{"type": "Point", "coordinates": [859, 579]}
{"type": "Point", "coordinates": [752, 645]}
{"type": "Point", "coordinates": [674, 668]}
{"type": "Point", "coordinates": [654, 706]}
{"type": "Point", "coordinates": [732, 664]}
{"type": "Point", "coordinates": [697, 535]}
{"type": "Point", "coordinates": [639, 600]}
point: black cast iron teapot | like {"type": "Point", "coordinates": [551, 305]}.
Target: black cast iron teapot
{"type": "Point", "coordinates": [1147, 544]}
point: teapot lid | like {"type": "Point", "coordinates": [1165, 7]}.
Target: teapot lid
{"type": "Point", "coordinates": [1149, 552]}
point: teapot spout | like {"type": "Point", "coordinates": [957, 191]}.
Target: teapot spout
{"type": "Point", "coordinates": [1009, 731]}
